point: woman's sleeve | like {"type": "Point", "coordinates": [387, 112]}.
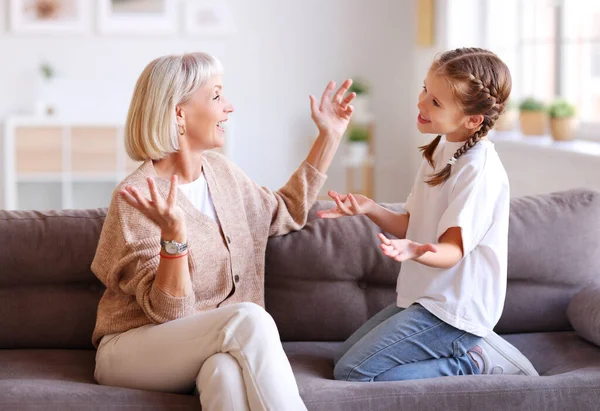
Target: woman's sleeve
{"type": "Point", "coordinates": [128, 266]}
{"type": "Point", "coordinates": [287, 208]}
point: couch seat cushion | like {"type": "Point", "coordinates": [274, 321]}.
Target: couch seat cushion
{"type": "Point", "coordinates": [570, 369]}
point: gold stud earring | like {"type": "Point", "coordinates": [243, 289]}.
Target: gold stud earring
{"type": "Point", "coordinates": [181, 129]}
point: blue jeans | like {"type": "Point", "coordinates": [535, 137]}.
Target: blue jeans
{"type": "Point", "coordinates": [405, 344]}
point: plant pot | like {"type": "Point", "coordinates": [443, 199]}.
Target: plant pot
{"type": "Point", "coordinates": [533, 123]}
{"type": "Point", "coordinates": [45, 104]}
{"type": "Point", "coordinates": [563, 129]}
{"type": "Point", "coordinates": [507, 120]}
{"type": "Point", "coordinates": [357, 153]}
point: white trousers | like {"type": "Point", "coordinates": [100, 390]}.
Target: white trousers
{"type": "Point", "coordinates": [233, 355]}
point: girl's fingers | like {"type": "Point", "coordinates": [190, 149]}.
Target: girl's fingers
{"type": "Point", "coordinates": [354, 202]}
{"type": "Point", "coordinates": [342, 207]}
{"type": "Point", "coordinates": [384, 239]}
{"type": "Point", "coordinates": [334, 194]}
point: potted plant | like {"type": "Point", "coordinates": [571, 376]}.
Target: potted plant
{"type": "Point", "coordinates": [562, 120]}
{"type": "Point", "coordinates": [358, 144]}
{"type": "Point", "coordinates": [362, 113]}
{"type": "Point", "coordinates": [533, 117]}
{"type": "Point", "coordinates": [508, 119]}
{"type": "Point", "coordinates": [43, 104]}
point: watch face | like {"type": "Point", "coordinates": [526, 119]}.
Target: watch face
{"type": "Point", "coordinates": [171, 248]}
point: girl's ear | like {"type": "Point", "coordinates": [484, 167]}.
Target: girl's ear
{"type": "Point", "coordinates": [474, 122]}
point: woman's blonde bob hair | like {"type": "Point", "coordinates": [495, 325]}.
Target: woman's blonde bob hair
{"type": "Point", "coordinates": [151, 126]}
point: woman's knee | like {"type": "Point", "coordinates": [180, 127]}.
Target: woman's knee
{"type": "Point", "coordinates": [220, 365]}
{"type": "Point", "coordinates": [256, 316]}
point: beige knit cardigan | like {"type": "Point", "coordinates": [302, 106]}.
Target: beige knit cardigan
{"type": "Point", "coordinates": [226, 263]}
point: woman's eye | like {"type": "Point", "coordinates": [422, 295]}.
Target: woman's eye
{"type": "Point", "coordinates": [217, 97]}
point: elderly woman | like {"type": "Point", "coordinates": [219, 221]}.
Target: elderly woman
{"type": "Point", "coordinates": [182, 249]}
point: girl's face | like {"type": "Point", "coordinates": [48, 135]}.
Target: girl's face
{"type": "Point", "coordinates": [204, 114]}
{"type": "Point", "coordinates": [439, 113]}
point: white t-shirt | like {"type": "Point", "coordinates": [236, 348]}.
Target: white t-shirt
{"type": "Point", "coordinates": [198, 194]}
{"type": "Point", "coordinates": [469, 296]}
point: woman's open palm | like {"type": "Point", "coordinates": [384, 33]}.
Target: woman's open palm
{"type": "Point", "coordinates": [333, 114]}
{"type": "Point", "coordinates": [165, 213]}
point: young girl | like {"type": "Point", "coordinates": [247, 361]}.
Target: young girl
{"type": "Point", "coordinates": [452, 240]}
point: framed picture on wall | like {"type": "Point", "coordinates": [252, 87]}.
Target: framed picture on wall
{"type": "Point", "coordinates": [49, 16]}
{"type": "Point", "coordinates": [137, 16]}
{"type": "Point", "coordinates": [208, 18]}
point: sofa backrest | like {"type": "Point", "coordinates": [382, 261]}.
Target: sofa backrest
{"type": "Point", "coordinates": [326, 280]}
{"type": "Point", "coordinates": [321, 282]}
{"type": "Point", "coordinates": [48, 295]}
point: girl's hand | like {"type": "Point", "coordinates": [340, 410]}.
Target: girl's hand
{"type": "Point", "coordinates": [333, 114]}
{"type": "Point", "coordinates": [166, 214]}
{"type": "Point", "coordinates": [347, 205]}
{"type": "Point", "coordinates": [402, 250]}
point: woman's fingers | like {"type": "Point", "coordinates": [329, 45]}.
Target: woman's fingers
{"type": "Point", "coordinates": [339, 94]}
{"type": "Point", "coordinates": [347, 100]}
{"type": "Point", "coordinates": [314, 104]}
{"type": "Point", "coordinates": [142, 201]}
{"type": "Point", "coordinates": [129, 198]}
{"type": "Point", "coordinates": [153, 191]}
{"type": "Point", "coordinates": [326, 97]}
{"type": "Point", "coordinates": [172, 197]}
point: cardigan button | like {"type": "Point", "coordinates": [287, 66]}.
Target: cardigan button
{"type": "Point", "coordinates": [236, 278]}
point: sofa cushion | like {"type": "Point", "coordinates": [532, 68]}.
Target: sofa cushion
{"type": "Point", "coordinates": [326, 280]}
{"type": "Point", "coordinates": [570, 367]}
{"type": "Point", "coordinates": [48, 294]}
{"type": "Point", "coordinates": [584, 313]}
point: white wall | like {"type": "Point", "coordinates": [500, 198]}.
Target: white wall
{"type": "Point", "coordinates": [283, 50]}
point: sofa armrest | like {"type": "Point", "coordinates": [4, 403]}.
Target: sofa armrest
{"type": "Point", "coordinates": [584, 313]}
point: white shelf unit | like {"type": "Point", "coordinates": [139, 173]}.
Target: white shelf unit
{"type": "Point", "coordinates": [51, 163]}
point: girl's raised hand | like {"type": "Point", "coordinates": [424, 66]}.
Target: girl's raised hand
{"type": "Point", "coordinates": [347, 205]}
{"type": "Point", "coordinates": [402, 250]}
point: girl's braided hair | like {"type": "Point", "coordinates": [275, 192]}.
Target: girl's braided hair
{"type": "Point", "coordinates": [480, 84]}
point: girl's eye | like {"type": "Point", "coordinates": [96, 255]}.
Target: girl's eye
{"type": "Point", "coordinates": [435, 103]}
{"type": "Point", "coordinates": [217, 97]}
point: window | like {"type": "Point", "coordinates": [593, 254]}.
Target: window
{"type": "Point", "coordinates": [552, 48]}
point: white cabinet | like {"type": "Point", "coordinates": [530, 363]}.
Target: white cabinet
{"type": "Point", "coordinates": [55, 164]}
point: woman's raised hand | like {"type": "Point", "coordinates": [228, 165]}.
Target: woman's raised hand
{"type": "Point", "coordinates": [333, 114]}
{"type": "Point", "coordinates": [166, 214]}
{"type": "Point", "coordinates": [347, 205]}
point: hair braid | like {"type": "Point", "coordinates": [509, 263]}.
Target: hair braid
{"type": "Point", "coordinates": [481, 84]}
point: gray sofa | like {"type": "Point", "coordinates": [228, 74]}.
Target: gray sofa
{"type": "Point", "coordinates": [322, 283]}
